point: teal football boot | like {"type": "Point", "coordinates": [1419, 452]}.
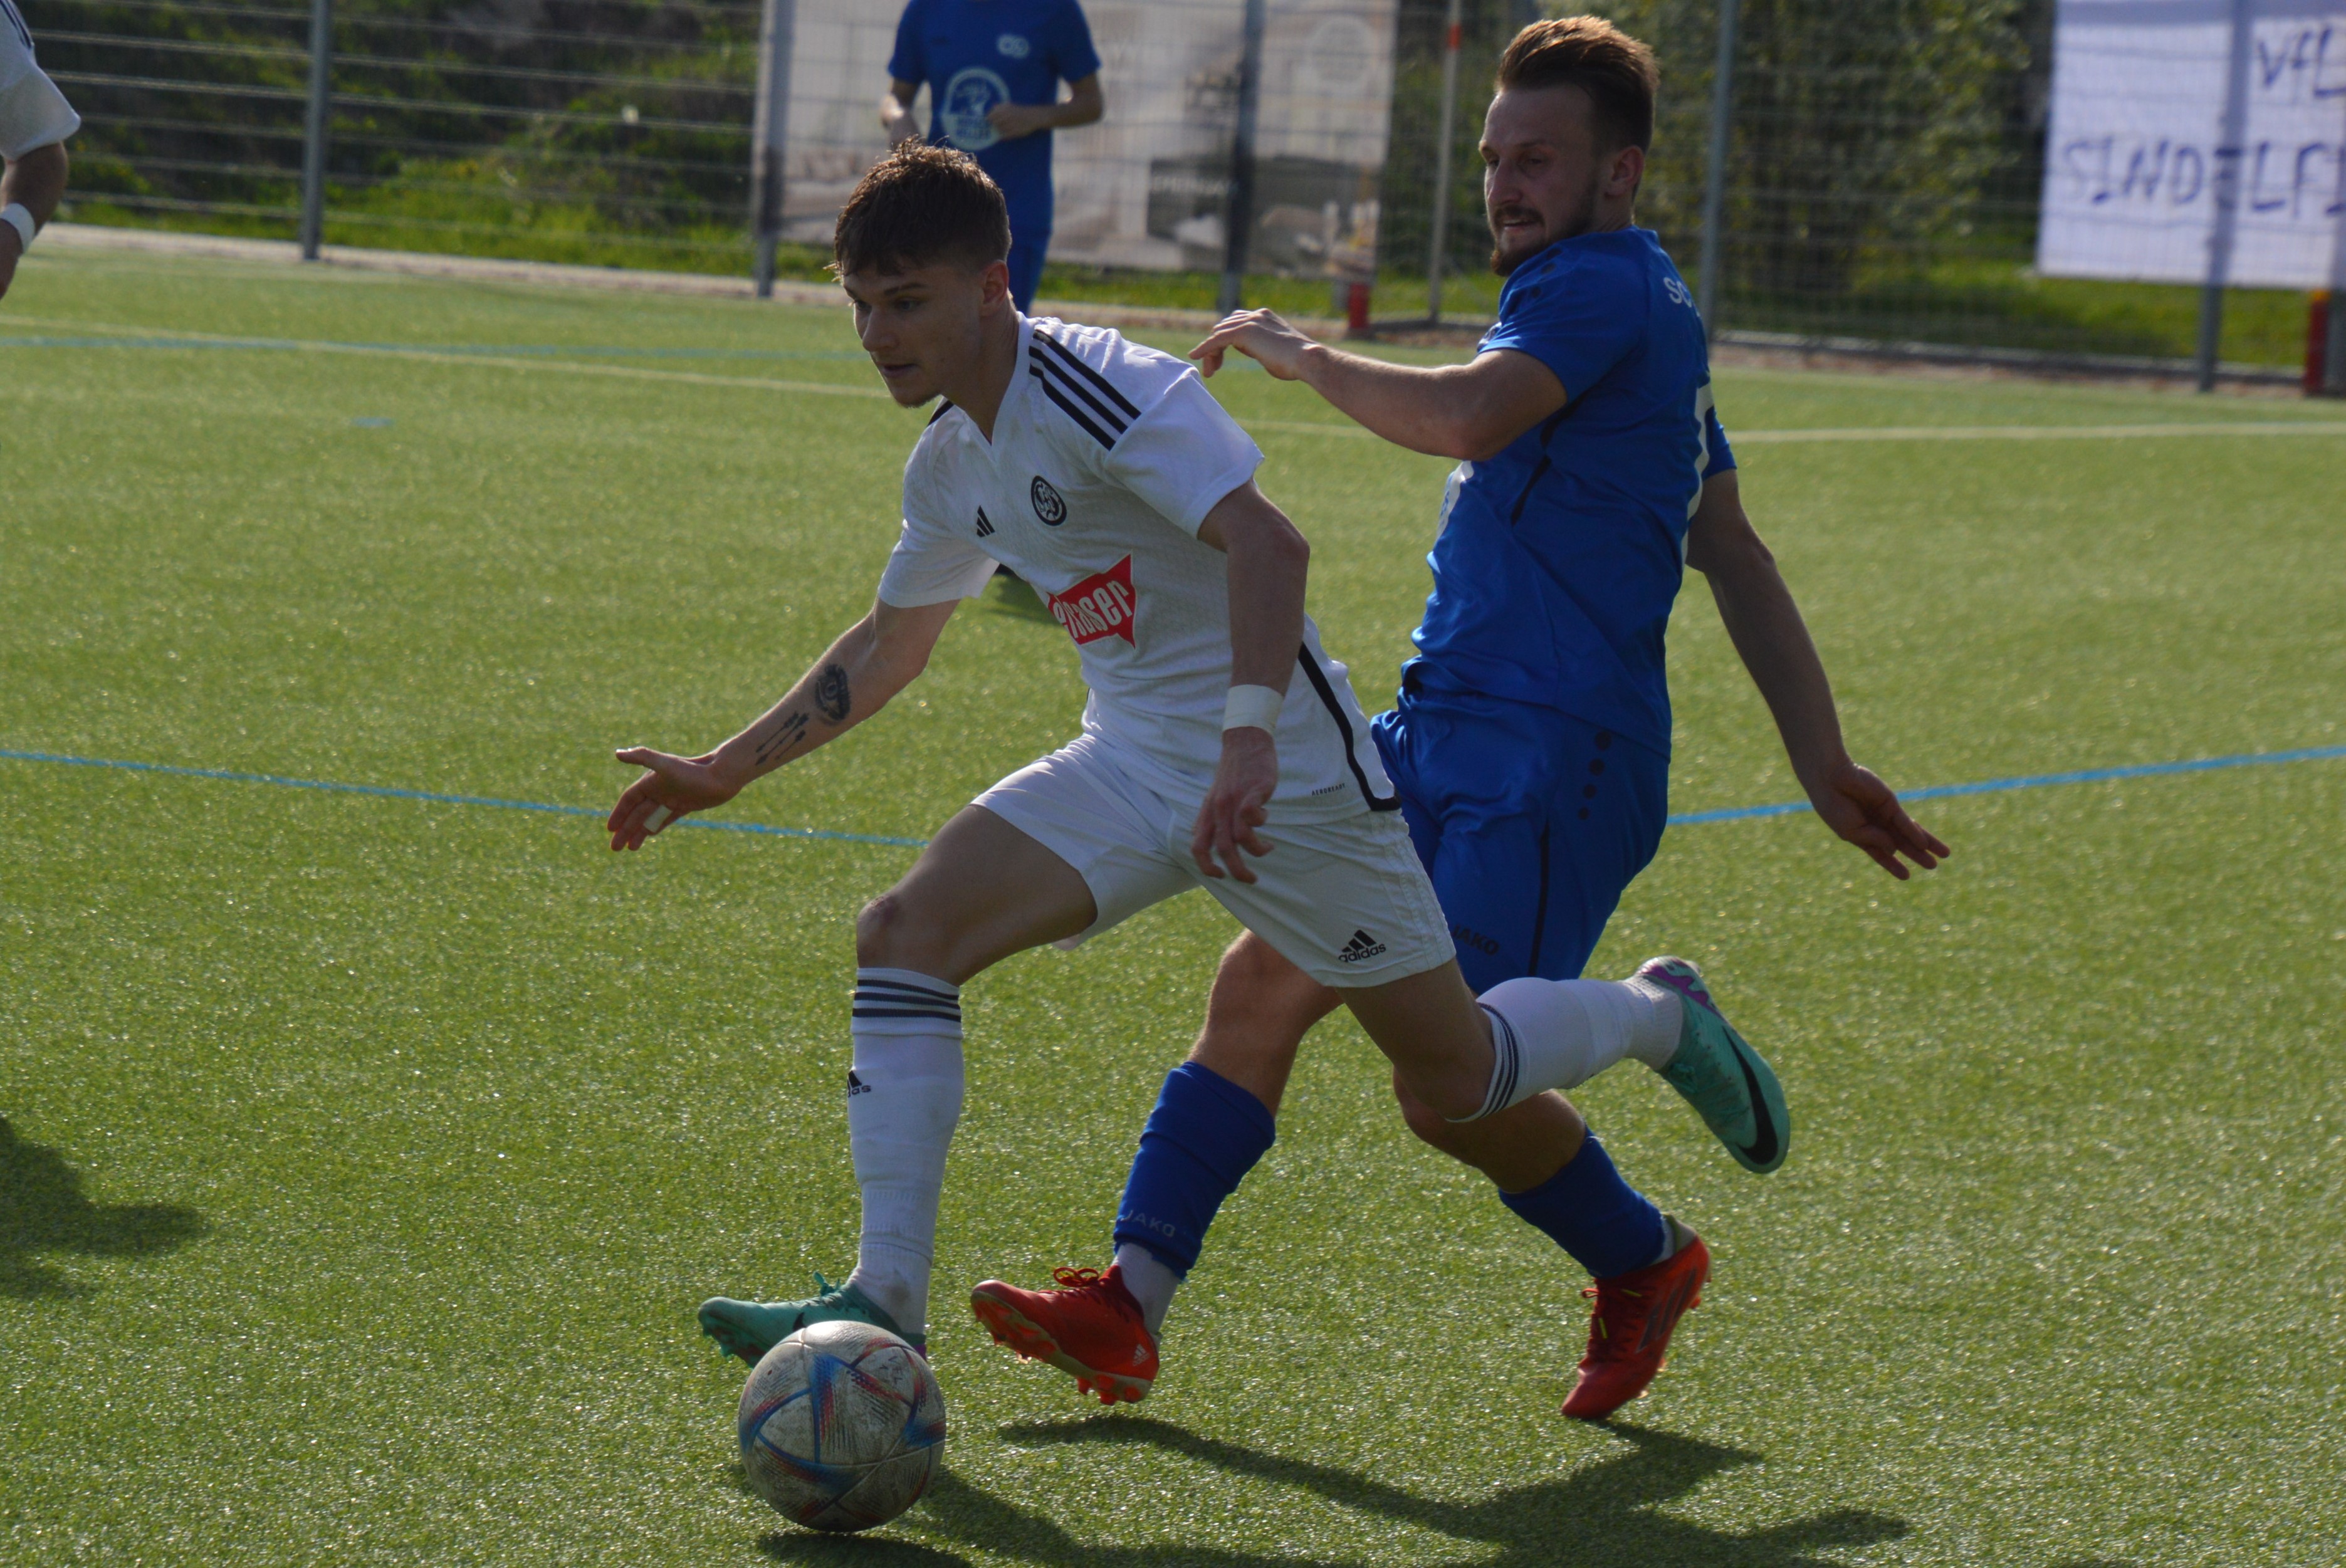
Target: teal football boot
{"type": "Point", "coordinates": [750, 1329]}
{"type": "Point", "coordinates": [1729, 1084]}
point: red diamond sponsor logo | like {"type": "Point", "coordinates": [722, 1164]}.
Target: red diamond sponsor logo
{"type": "Point", "coordinates": [1101, 605]}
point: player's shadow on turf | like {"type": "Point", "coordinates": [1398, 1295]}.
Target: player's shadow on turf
{"type": "Point", "coordinates": [43, 1209]}
{"type": "Point", "coordinates": [1602, 1512]}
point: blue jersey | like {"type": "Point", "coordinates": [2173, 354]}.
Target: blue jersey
{"type": "Point", "coordinates": [1558, 559]}
{"type": "Point", "coordinates": [977, 53]}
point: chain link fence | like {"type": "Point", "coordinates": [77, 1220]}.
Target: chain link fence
{"type": "Point", "coordinates": [1883, 158]}
{"type": "Point", "coordinates": [1883, 166]}
{"type": "Point", "coordinates": [574, 130]}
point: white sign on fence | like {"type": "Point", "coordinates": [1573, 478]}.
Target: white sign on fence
{"type": "Point", "coordinates": [1145, 187]}
{"type": "Point", "coordinates": [2158, 123]}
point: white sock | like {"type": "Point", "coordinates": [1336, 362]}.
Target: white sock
{"type": "Point", "coordinates": [1151, 1283]}
{"type": "Point", "coordinates": [904, 1100]}
{"type": "Point", "coordinates": [1658, 1015]}
{"type": "Point", "coordinates": [1559, 1033]}
{"type": "Point", "coordinates": [1674, 1239]}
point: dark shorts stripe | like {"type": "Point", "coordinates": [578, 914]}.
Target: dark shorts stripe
{"type": "Point", "coordinates": [1320, 683]}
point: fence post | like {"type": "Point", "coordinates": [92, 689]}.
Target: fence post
{"type": "Point", "coordinates": [1714, 185]}
{"type": "Point", "coordinates": [2224, 191]}
{"type": "Point", "coordinates": [1452, 35]}
{"type": "Point", "coordinates": [1238, 209]}
{"type": "Point", "coordinates": [314, 128]}
{"type": "Point", "coordinates": [769, 131]}
{"type": "Point", "coordinates": [2333, 364]}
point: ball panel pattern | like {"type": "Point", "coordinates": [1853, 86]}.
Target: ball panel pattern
{"type": "Point", "coordinates": [841, 1426]}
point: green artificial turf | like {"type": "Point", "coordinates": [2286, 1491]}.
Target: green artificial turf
{"type": "Point", "coordinates": [364, 1158]}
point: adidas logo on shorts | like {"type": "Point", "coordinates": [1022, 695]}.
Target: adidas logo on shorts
{"type": "Point", "coordinates": [1361, 946]}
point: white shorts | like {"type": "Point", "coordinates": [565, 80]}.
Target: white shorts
{"type": "Point", "coordinates": [1345, 900]}
{"type": "Point", "coordinates": [33, 114]}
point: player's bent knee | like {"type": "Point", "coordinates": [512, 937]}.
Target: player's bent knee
{"type": "Point", "coordinates": [888, 934]}
{"type": "Point", "coordinates": [1259, 985]}
{"type": "Point", "coordinates": [1430, 1124]}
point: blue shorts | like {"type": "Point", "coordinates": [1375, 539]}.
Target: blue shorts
{"type": "Point", "coordinates": [1531, 823]}
{"type": "Point", "coordinates": [1026, 268]}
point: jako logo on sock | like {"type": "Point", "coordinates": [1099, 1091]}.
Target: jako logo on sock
{"type": "Point", "coordinates": [1133, 1217]}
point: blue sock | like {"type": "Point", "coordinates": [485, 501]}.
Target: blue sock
{"type": "Point", "coordinates": [1202, 1138]}
{"type": "Point", "coordinates": [1607, 1225]}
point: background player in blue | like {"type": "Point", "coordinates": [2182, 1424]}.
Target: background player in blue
{"type": "Point", "coordinates": [1530, 745]}
{"type": "Point", "coordinates": [993, 68]}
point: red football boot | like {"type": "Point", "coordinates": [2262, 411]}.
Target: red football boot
{"type": "Point", "coordinates": [1631, 1328]}
{"type": "Point", "coordinates": [1090, 1326]}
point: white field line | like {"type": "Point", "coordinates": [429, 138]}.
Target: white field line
{"type": "Point", "coordinates": [1930, 432]}
{"type": "Point", "coordinates": [1889, 432]}
{"type": "Point", "coordinates": [428, 356]}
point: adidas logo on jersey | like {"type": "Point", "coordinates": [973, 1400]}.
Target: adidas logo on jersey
{"type": "Point", "coordinates": [1101, 605]}
{"type": "Point", "coordinates": [984, 525]}
{"type": "Point", "coordinates": [1361, 946]}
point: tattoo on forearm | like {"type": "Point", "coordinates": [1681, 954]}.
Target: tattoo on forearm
{"type": "Point", "coordinates": [786, 735]}
{"type": "Point", "coordinates": [830, 694]}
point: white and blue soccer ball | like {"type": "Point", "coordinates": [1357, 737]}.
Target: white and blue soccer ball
{"type": "Point", "coordinates": [842, 1426]}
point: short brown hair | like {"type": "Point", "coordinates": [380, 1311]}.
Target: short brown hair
{"type": "Point", "coordinates": [917, 206]}
{"type": "Point", "coordinates": [1614, 69]}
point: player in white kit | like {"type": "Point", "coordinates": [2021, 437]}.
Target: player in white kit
{"type": "Point", "coordinates": [1221, 747]}
{"type": "Point", "coordinates": [34, 121]}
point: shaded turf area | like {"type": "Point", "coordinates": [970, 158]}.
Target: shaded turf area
{"type": "Point", "coordinates": [363, 1157]}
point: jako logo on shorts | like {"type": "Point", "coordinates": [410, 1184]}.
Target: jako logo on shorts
{"type": "Point", "coordinates": [1101, 605]}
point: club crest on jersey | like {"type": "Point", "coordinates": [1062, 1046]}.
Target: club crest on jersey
{"type": "Point", "coordinates": [1049, 505]}
{"type": "Point", "coordinates": [1101, 605]}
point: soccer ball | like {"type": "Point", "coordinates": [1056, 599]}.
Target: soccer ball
{"type": "Point", "coordinates": [842, 1426]}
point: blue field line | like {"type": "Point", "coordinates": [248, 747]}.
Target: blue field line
{"type": "Point", "coordinates": [1684, 819]}
{"type": "Point", "coordinates": [542, 351]}
{"type": "Point", "coordinates": [389, 793]}
{"type": "Point", "coordinates": [2036, 781]}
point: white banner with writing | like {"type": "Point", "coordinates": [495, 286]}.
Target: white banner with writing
{"type": "Point", "coordinates": [2138, 159]}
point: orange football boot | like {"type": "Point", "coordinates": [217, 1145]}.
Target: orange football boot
{"type": "Point", "coordinates": [1088, 1326]}
{"type": "Point", "coordinates": [1630, 1329]}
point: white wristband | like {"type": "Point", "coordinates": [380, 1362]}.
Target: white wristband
{"type": "Point", "coordinates": [1252, 708]}
{"type": "Point", "coordinates": [20, 216]}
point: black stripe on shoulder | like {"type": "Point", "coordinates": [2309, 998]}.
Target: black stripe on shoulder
{"type": "Point", "coordinates": [1050, 370]}
{"type": "Point", "coordinates": [1319, 679]}
{"type": "Point", "coordinates": [1067, 405]}
{"type": "Point", "coordinates": [1089, 374]}
{"type": "Point", "coordinates": [944, 407]}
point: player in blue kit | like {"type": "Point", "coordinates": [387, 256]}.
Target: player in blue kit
{"type": "Point", "coordinates": [993, 68]}
{"type": "Point", "coordinates": [1530, 745]}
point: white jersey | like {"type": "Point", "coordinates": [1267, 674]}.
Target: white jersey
{"type": "Point", "coordinates": [33, 113]}
{"type": "Point", "coordinates": [1106, 458]}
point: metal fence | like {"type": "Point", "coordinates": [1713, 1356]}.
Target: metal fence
{"type": "Point", "coordinates": [1882, 160]}
{"type": "Point", "coordinates": [597, 130]}
{"type": "Point", "coordinates": [1881, 167]}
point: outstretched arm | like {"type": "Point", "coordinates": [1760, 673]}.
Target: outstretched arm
{"type": "Point", "coordinates": [1773, 642]}
{"type": "Point", "coordinates": [1084, 104]}
{"type": "Point", "coordinates": [871, 661]}
{"type": "Point", "coordinates": [1471, 410]}
{"type": "Point", "coordinates": [1268, 563]}
{"type": "Point", "coordinates": [896, 112]}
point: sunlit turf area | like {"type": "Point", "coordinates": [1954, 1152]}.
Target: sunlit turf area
{"type": "Point", "coordinates": [365, 1155]}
